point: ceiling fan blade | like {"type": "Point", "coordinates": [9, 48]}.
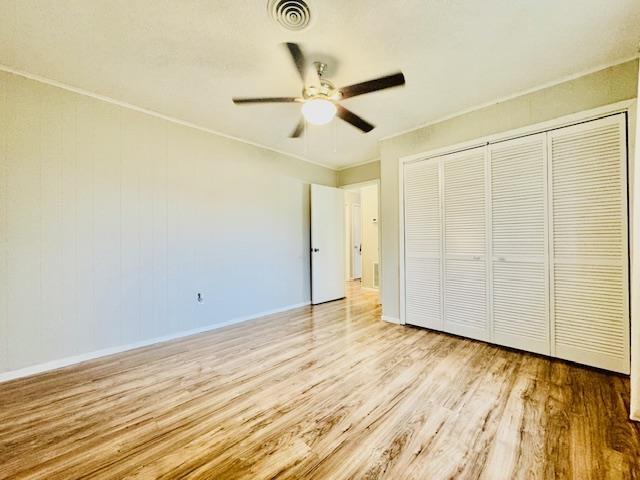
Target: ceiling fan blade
{"type": "Point", "coordinates": [298, 130]}
{"type": "Point", "coordinates": [350, 117]}
{"type": "Point", "coordinates": [298, 59]}
{"type": "Point", "coordinates": [239, 101]}
{"type": "Point", "coordinates": [395, 80]}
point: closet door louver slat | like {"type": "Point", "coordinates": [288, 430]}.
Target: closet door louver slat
{"type": "Point", "coordinates": [465, 244]}
{"type": "Point", "coordinates": [422, 245]}
{"type": "Point", "coordinates": [519, 246]}
{"type": "Point", "coordinates": [590, 312]}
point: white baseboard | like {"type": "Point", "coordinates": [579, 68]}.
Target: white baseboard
{"type": "Point", "coordinates": [389, 319]}
{"type": "Point", "coordinates": [65, 362]}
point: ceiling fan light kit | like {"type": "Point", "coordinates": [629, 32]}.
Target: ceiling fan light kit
{"type": "Point", "coordinates": [318, 111]}
{"type": "Point", "coordinates": [320, 99]}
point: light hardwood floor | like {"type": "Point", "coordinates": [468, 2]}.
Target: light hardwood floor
{"type": "Point", "coordinates": [327, 392]}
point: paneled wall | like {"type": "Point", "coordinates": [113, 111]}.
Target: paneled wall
{"type": "Point", "coordinates": [112, 221]}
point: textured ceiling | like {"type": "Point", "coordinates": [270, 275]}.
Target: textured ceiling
{"type": "Point", "coordinates": [187, 58]}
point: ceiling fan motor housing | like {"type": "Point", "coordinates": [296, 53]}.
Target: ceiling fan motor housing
{"type": "Point", "coordinates": [326, 89]}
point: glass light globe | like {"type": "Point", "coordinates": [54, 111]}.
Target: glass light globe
{"type": "Point", "coordinates": [318, 111]}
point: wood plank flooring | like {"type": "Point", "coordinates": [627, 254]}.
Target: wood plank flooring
{"type": "Point", "coordinates": [325, 392]}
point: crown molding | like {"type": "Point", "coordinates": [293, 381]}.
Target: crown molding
{"type": "Point", "coordinates": [359, 164]}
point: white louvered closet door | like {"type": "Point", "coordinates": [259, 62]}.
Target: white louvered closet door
{"type": "Point", "coordinates": [589, 288]}
{"type": "Point", "coordinates": [422, 244]}
{"type": "Point", "coordinates": [519, 243]}
{"type": "Point", "coordinates": [465, 244]}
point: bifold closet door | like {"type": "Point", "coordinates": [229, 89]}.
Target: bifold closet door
{"type": "Point", "coordinates": [589, 288]}
{"type": "Point", "coordinates": [465, 244]}
{"type": "Point", "coordinates": [422, 244]}
{"type": "Point", "coordinates": [519, 263]}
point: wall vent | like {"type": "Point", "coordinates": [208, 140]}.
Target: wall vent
{"type": "Point", "coordinates": [293, 15]}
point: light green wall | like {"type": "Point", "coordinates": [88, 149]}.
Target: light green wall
{"type": "Point", "coordinates": [361, 173]}
{"type": "Point", "coordinates": [604, 87]}
{"type": "Point", "coordinates": [112, 220]}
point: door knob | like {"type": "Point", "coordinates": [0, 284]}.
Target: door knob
{"type": "Point", "coordinates": [315, 250]}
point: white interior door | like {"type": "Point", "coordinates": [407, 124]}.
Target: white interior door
{"type": "Point", "coordinates": [590, 276]}
{"type": "Point", "coordinates": [423, 244]}
{"type": "Point", "coordinates": [327, 244]}
{"type": "Point", "coordinates": [466, 310]}
{"type": "Point", "coordinates": [520, 300]}
{"type": "Point", "coordinates": [356, 239]}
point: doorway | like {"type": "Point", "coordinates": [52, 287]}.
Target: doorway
{"type": "Point", "coordinates": [362, 234]}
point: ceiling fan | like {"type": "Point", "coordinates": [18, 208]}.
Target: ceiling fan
{"type": "Point", "coordinates": [321, 99]}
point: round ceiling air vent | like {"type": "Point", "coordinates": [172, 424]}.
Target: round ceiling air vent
{"type": "Point", "coordinates": [291, 14]}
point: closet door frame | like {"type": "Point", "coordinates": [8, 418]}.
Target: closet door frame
{"type": "Point", "coordinates": [627, 106]}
